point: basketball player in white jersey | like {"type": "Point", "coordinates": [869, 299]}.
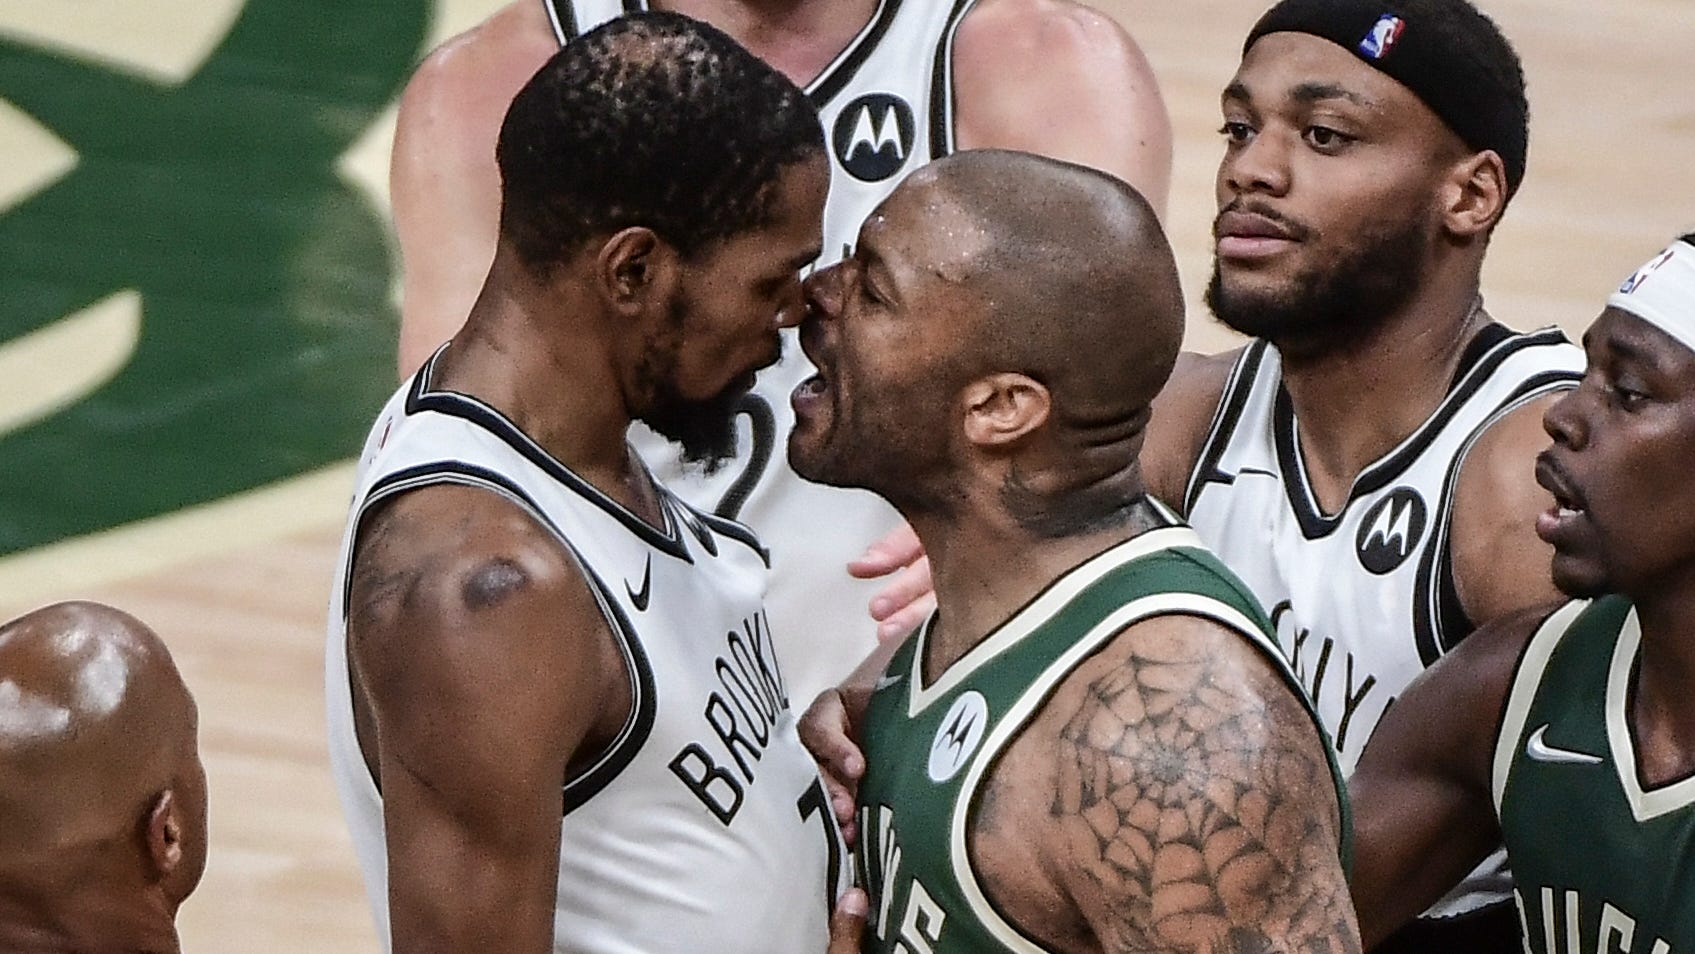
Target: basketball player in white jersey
{"type": "Point", "coordinates": [556, 718]}
{"type": "Point", "coordinates": [102, 794]}
{"type": "Point", "coordinates": [1365, 465]}
{"type": "Point", "coordinates": [1571, 734]}
{"type": "Point", "coordinates": [897, 83]}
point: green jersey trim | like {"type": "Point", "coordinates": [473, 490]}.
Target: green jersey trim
{"type": "Point", "coordinates": [1035, 613]}
{"type": "Point", "coordinates": [1526, 679]}
{"type": "Point", "coordinates": [1644, 804]}
{"type": "Point", "coordinates": [1041, 689]}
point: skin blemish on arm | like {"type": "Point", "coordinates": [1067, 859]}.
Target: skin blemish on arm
{"type": "Point", "coordinates": [492, 582]}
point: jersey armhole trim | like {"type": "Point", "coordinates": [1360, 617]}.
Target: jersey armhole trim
{"type": "Point", "coordinates": [944, 134]}
{"type": "Point", "coordinates": [580, 786]}
{"type": "Point", "coordinates": [1521, 693]}
{"type": "Point", "coordinates": [1238, 388]}
{"type": "Point", "coordinates": [563, 19]}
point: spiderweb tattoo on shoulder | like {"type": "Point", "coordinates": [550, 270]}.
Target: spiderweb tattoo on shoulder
{"type": "Point", "coordinates": [1192, 796]}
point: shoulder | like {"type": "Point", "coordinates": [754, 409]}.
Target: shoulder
{"type": "Point", "coordinates": [1064, 80]}
{"type": "Point", "coordinates": [462, 88]}
{"type": "Point", "coordinates": [1182, 416]}
{"type": "Point", "coordinates": [462, 574]}
{"type": "Point", "coordinates": [1500, 564]}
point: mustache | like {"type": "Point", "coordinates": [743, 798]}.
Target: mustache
{"type": "Point", "coordinates": [1297, 230]}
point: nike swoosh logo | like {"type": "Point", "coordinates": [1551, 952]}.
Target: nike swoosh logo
{"type": "Point", "coordinates": [884, 682]}
{"type": "Point", "coordinates": [640, 597]}
{"type": "Point", "coordinates": [1543, 752]}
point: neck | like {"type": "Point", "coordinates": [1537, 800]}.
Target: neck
{"type": "Point", "coordinates": [798, 37]}
{"type": "Point", "coordinates": [89, 919]}
{"type": "Point", "coordinates": [986, 566]}
{"type": "Point", "coordinates": [525, 336]}
{"type": "Point", "coordinates": [1357, 401]}
{"type": "Point", "coordinates": [1667, 670]}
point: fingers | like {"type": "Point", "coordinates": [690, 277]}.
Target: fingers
{"type": "Point", "coordinates": [899, 548]}
{"type": "Point", "coordinates": [905, 602]}
{"type": "Point", "coordinates": [847, 921]}
{"type": "Point", "coordinates": [825, 732]}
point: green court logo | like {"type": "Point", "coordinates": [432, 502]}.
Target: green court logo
{"type": "Point", "coordinates": [266, 335]}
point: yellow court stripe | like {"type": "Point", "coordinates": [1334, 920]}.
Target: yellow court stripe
{"type": "Point", "coordinates": [314, 501]}
{"type": "Point", "coordinates": [58, 365]}
{"type": "Point", "coordinates": [165, 42]}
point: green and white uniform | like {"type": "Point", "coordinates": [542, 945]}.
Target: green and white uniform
{"type": "Point", "coordinates": [1603, 863]}
{"type": "Point", "coordinates": [928, 748]}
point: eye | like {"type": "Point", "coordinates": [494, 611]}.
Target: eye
{"type": "Point", "coordinates": [1236, 132]}
{"type": "Point", "coordinates": [1627, 398]}
{"type": "Point", "coordinates": [1325, 139]}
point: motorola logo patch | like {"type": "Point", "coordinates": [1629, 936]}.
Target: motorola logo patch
{"type": "Point", "coordinates": [874, 136]}
{"type": "Point", "coordinates": [1391, 530]}
{"type": "Point", "coordinates": [957, 738]}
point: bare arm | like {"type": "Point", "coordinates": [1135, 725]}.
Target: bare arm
{"type": "Point", "coordinates": [1182, 414]}
{"type": "Point", "coordinates": [1057, 78]}
{"type": "Point", "coordinates": [443, 181]}
{"type": "Point", "coordinates": [830, 731]}
{"type": "Point", "coordinates": [1194, 807]}
{"type": "Point", "coordinates": [1423, 815]}
{"type": "Point", "coordinates": [477, 653]}
{"type": "Point", "coordinates": [1500, 565]}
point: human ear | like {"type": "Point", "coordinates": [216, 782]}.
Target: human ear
{"type": "Point", "coordinates": [634, 268]}
{"type": "Point", "coordinates": [1001, 409]}
{"type": "Point", "coordinates": [164, 835]}
{"type": "Point", "coordinates": [1474, 195]}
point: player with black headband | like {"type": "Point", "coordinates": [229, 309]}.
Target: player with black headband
{"type": "Point", "coordinates": [1590, 777]}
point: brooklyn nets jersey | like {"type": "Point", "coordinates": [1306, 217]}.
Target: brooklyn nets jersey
{"type": "Point", "coordinates": [886, 103]}
{"type": "Point", "coordinates": [1362, 600]}
{"type": "Point", "coordinates": [928, 748]}
{"type": "Point", "coordinates": [704, 823]}
{"type": "Point", "coordinates": [1603, 862]}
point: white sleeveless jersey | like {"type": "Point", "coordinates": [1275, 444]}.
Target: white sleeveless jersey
{"type": "Point", "coordinates": [704, 825]}
{"type": "Point", "coordinates": [1363, 599]}
{"type": "Point", "coordinates": [886, 103]}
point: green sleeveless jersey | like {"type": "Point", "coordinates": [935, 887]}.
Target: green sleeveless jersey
{"type": "Point", "coordinates": [928, 748]}
{"type": "Point", "coordinates": [1602, 864]}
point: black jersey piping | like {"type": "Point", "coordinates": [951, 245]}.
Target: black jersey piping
{"type": "Point", "coordinates": [1440, 621]}
{"type": "Point", "coordinates": [739, 532]}
{"type": "Point", "coordinates": [1238, 388]}
{"type": "Point", "coordinates": [840, 72]}
{"type": "Point", "coordinates": [1314, 523]}
{"type": "Point", "coordinates": [563, 15]}
{"type": "Point", "coordinates": [463, 406]}
{"type": "Point", "coordinates": [942, 99]}
{"type": "Point", "coordinates": [638, 725]}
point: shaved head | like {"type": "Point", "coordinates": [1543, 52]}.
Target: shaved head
{"type": "Point", "coordinates": [101, 785]}
{"type": "Point", "coordinates": [1079, 281]}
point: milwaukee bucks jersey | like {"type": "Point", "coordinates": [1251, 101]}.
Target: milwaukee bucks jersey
{"type": "Point", "coordinates": [886, 103]}
{"type": "Point", "coordinates": [929, 748]}
{"type": "Point", "coordinates": [1603, 862]}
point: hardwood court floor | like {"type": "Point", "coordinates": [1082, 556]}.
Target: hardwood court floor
{"type": "Point", "coordinates": [238, 587]}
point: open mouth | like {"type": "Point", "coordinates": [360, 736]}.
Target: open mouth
{"type": "Point", "coordinates": [1569, 504]}
{"type": "Point", "coordinates": [809, 393]}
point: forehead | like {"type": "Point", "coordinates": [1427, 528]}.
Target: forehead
{"type": "Point", "coordinates": [1620, 335]}
{"type": "Point", "coordinates": [921, 227]}
{"type": "Point", "coordinates": [1283, 69]}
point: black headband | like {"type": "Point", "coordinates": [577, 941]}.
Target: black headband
{"type": "Point", "coordinates": [1468, 95]}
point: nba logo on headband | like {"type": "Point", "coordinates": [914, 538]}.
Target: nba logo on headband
{"type": "Point", "coordinates": [1642, 273]}
{"type": "Point", "coordinates": [1382, 37]}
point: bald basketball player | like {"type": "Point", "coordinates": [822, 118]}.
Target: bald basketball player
{"type": "Point", "coordinates": [897, 83]}
{"type": "Point", "coordinates": [1093, 744]}
{"type": "Point", "coordinates": [1571, 734]}
{"type": "Point", "coordinates": [102, 795]}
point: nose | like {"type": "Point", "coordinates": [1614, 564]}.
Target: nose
{"type": "Point", "coordinates": [1259, 165]}
{"type": "Point", "coordinates": [823, 292]}
{"type": "Point", "coordinates": [1564, 420]}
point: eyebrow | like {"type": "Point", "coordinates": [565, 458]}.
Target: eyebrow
{"type": "Point", "coordinates": [1317, 92]}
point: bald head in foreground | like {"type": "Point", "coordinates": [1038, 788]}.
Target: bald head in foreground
{"type": "Point", "coordinates": [102, 794]}
{"type": "Point", "coordinates": [1093, 743]}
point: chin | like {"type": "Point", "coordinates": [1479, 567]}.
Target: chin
{"type": "Point", "coordinates": [1580, 579]}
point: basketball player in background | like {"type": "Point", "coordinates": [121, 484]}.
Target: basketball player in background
{"type": "Point", "coordinates": [1587, 765]}
{"type": "Point", "coordinates": [1094, 739]}
{"type": "Point", "coordinates": [897, 83]}
{"type": "Point", "coordinates": [1365, 464]}
{"type": "Point", "coordinates": [102, 795]}
{"type": "Point", "coordinates": [556, 717]}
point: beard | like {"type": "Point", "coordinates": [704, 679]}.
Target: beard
{"type": "Point", "coordinates": [705, 430]}
{"type": "Point", "coordinates": [1324, 308]}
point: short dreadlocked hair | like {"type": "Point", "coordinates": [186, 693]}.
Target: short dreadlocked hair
{"type": "Point", "coordinates": [654, 120]}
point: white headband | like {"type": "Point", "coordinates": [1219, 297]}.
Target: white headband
{"type": "Point", "coordinates": [1662, 293]}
